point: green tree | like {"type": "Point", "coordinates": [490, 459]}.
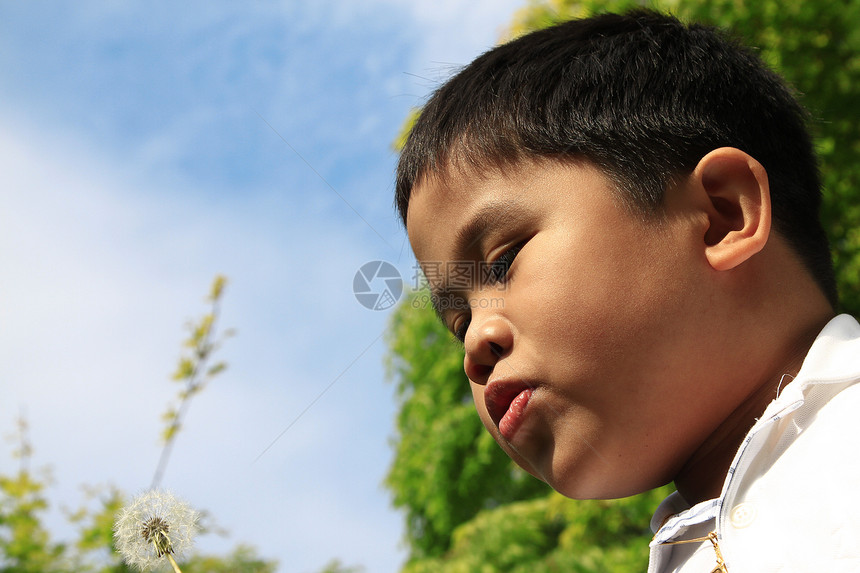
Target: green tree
{"type": "Point", "coordinates": [25, 544]}
{"type": "Point", "coordinates": [550, 534]}
{"type": "Point", "coordinates": [468, 508]}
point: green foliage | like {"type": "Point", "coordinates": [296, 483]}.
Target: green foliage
{"type": "Point", "coordinates": [243, 559]}
{"type": "Point", "coordinates": [96, 525]}
{"type": "Point", "coordinates": [468, 508]}
{"type": "Point", "coordinates": [551, 534]}
{"type": "Point", "coordinates": [400, 140]}
{"type": "Point", "coordinates": [25, 545]}
{"type": "Point", "coordinates": [336, 567]}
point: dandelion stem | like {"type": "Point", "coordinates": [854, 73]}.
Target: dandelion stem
{"type": "Point", "coordinates": [173, 562]}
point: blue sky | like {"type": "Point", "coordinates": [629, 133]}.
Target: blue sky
{"type": "Point", "coordinates": [146, 147]}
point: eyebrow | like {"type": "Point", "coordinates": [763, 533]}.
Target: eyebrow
{"type": "Point", "coordinates": [496, 213]}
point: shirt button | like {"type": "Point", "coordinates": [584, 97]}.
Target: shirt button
{"type": "Point", "coordinates": [742, 515]}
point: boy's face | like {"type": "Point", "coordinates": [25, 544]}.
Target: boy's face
{"type": "Point", "coordinates": [589, 363]}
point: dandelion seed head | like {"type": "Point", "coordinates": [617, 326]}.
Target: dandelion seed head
{"type": "Point", "coordinates": [155, 524]}
{"type": "Point", "coordinates": [156, 530]}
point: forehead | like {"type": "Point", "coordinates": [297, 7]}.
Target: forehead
{"type": "Point", "coordinates": [445, 210]}
{"type": "Point", "coordinates": [459, 203]}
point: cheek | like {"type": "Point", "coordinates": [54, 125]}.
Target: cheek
{"type": "Point", "coordinates": [616, 282]}
{"type": "Point", "coordinates": [478, 397]}
{"type": "Point", "coordinates": [573, 302]}
{"type": "Point", "coordinates": [602, 317]}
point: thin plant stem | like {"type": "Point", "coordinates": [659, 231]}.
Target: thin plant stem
{"type": "Point", "coordinates": [194, 381]}
{"type": "Point", "coordinates": [173, 562]}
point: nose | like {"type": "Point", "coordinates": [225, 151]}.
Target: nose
{"type": "Point", "coordinates": [486, 343]}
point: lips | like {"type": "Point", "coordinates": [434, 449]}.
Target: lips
{"type": "Point", "coordinates": [506, 403]}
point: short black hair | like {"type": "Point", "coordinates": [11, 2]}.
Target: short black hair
{"type": "Point", "coordinates": [643, 97]}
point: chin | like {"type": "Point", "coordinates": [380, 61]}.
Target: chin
{"type": "Point", "coordinates": [599, 491]}
{"type": "Point", "coordinates": [603, 485]}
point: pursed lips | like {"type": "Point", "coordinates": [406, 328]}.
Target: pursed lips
{"type": "Point", "coordinates": [506, 401]}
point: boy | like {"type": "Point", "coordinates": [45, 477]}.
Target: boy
{"type": "Point", "coordinates": [644, 198]}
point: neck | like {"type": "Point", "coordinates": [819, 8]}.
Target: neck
{"type": "Point", "coordinates": [704, 473]}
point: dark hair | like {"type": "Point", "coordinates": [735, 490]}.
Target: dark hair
{"type": "Point", "coordinates": [643, 97]}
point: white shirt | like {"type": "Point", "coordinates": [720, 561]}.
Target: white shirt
{"type": "Point", "coordinates": [791, 499]}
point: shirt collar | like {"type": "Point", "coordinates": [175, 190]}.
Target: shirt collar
{"type": "Point", "coordinates": [670, 506]}
{"type": "Point", "coordinates": [674, 516]}
{"type": "Point", "coordinates": [832, 358]}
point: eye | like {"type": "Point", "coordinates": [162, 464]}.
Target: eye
{"type": "Point", "coordinates": [498, 269]}
{"type": "Point", "coordinates": [461, 328]}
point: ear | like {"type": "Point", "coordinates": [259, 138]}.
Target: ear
{"type": "Point", "coordinates": [739, 215]}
